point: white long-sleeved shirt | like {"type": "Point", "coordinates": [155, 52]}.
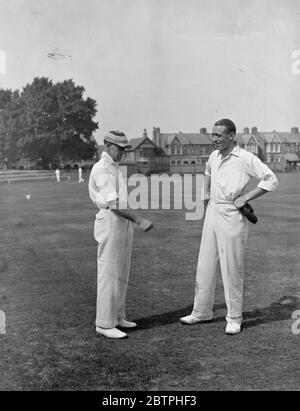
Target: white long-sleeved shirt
{"type": "Point", "coordinates": [230, 176]}
{"type": "Point", "coordinates": [106, 184]}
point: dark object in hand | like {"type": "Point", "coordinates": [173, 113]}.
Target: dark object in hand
{"type": "Point", "coordinates": [247, 212]}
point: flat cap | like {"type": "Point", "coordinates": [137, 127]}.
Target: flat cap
{"type": "Point", "coordinates": [117, 137]}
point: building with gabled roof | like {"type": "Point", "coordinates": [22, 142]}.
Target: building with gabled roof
{"type": "Point", "coordinates": [276, 145]}
{"type": "Point", "coordinates": [188, 152]}
{"type": "Point", "coordinates": [146, 154]}
{"type": "Point", "coordinates": [274, 148]}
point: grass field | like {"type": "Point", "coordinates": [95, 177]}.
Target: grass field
{"type": "Point", "coordinates": [48, 292]}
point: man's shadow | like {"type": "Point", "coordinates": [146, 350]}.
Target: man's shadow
{"type": "Point", "coordinates": [277, 311]}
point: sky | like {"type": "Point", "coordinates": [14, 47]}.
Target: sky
{"type": "Point", "coordinates": [175, 64]}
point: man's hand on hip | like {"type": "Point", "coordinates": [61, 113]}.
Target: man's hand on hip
{"type": "Point", "coordinates": [240, 201]}
{"type": "Point", "coordinates": [205, 202]}
{"type": "Point", "coordinates": [145, 224]}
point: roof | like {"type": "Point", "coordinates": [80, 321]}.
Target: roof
{"type": "Point", "coordinates": [166, 138]}
{"type": "Point", "coordinates": [290, 137]}
{"type": "Point", "coordinates": [261, 138]}
{"type": "Point", "coordinates": [270, 137]}
{"type": "Point", "coordinates": [284, 137]}
{"type": "Point", "coordinates": [195, 138]}
{"type": "Point", "coordinates": [186, 138]}
{"type": "Point", "coordinates": [245, 139]}
{"type": "Point", "coordinates": [136, 142]}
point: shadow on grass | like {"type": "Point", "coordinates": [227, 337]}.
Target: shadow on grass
{"type": "Point", "coordinates": [278, 311]}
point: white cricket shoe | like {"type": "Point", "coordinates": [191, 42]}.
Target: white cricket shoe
{"type": "Point", "coordinates": [191, 320]}
{"type": "Point", "coordinates": [233, 328]}
{"type": "Point", "coordinates": [126, 324]}
{"type": "Point", "coordinates": [111, 332]}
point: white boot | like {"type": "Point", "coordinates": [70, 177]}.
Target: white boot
{"type": "Point", "coordinates": [233, 328]}
{"type": "Point", "coordinates": [126, 324]}
{"type": "Point", "coordinates": [111, 332]}
{"type": "Point", "coordinates": [191, 320]}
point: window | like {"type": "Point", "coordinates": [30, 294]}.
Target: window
{"type": "Point", "coordinates": [275, 148]}
{"type": "Point", "coordinates": [253, 148]}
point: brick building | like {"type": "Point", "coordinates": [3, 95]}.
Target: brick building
{"type": "Point", "coordinates": [188, 152]}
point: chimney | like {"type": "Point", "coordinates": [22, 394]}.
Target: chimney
{"type": "Point", "coordinates": [246, 130]}
{"type": "Point", "coordinates": [145, 133]}
{"type": "Point", "coordinates": [254, 130]}
{"type": "Point", "coordinates": [158, 137]}
{"type": "Point", "coordinates": [154, 135]}
{"type": "Point", "coordinates": [203, 130]}
{"type": "Point", "coordinates": [294, 130]}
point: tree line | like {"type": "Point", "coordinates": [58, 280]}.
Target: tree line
{"type": "Point", "coordinates": [47, 122]}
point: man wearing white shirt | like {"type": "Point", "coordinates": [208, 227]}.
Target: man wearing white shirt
{"type": "Point", "coordinates": [80, 179]}
{"type": "Point", "coordinates": [57, 175]}
{"type": "Point", "coordinates": [225, 230]}
{"type": "Point", "coordinates": [114, 232]}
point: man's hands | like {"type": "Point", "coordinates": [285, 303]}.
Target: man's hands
{"type": "Point", "coordinates": [240, 201]}
{"type": "Point", "coordinates": [144, 224]}
{"type": "Point", "coordinates": [251, 195]}
{"type": "Point", "coordinates": [206, 201]}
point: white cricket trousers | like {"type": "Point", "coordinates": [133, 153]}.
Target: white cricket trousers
{"type": "Point", "coordinates": [224, 239]}
{"type": "Point", "coordinates": [114, 236]}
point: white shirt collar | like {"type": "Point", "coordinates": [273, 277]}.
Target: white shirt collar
{"type": "Point", "coordinates": [108, 158]}
{"type": "Point", "coordinates": [235, 151]}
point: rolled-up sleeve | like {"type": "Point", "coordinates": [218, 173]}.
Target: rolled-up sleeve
{"type": "Point", "coordinates": [107, 186]}
{"type": "Point", "coordinates": [256, 168]}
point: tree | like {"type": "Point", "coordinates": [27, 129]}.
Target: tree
{"type": "Point", "coordinates": [5, 98]}
{"type": "Point", "coordinates": [10, 124]}
{"type": "Point", "coordinates": [55, 118]}
{"type": "Point", "coordinates": [75, 121]}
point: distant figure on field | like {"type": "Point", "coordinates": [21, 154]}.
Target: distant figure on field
{"type": "Point", "coordinates": [80, 179]}
{"type": "Point", "coordinates": [57, 175]}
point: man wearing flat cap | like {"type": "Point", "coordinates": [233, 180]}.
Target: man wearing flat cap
{"type": "Point", "coordinates": [114, 232]}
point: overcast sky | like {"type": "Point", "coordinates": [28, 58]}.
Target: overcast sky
{"type": "Point", "coordinates": [175, 64]}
